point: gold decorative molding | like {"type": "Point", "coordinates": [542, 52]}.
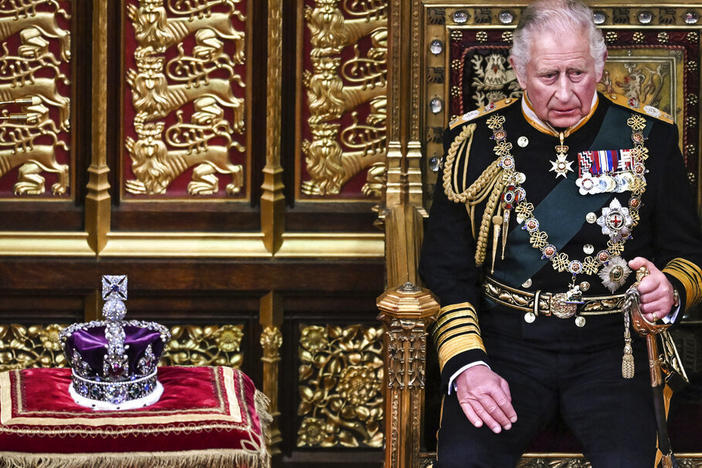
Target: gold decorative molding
{"type": "Point", "coordinates": [272, 198]}
{"type": "Point", "coordinates": [346, 97]}
{"type": "Point", "coordinates": [245, 245]}
{"type": "Point", "coordinates": [340, 382]}
{"type": "Point", "coordinates": [97, 199]}
{"type": "Point", "coordinates": [34, 78]}
{"type": "Point", "coordinates": [60, 244]}
{"type": "Point", "coordinates": [204, 138]}
{"type": "Point", "coordinates": [194, 245]}
{"type": "Point", "coordinates": [210, 345]}
{"type": "Point", "coordinates": [332, 245]}
{"type": "Point", "coordinates": [30, 346]}
{"type": "Point", "coordinates": [184, 244]}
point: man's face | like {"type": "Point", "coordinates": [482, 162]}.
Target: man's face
{"type": "Point", "coordinates": [560, 77]}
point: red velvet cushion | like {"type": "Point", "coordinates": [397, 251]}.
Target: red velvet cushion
{"type": "Point", "coordinates": [202, 408]}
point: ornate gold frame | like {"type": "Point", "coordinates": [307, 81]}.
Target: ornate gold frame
{"type": "Point", "coordinates": [248, 103]}
{"type": "Point", "coordinates": [332, 34]}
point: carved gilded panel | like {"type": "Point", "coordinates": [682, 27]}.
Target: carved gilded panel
{"type": "Point", "coordinates": [656, 63]}
{"type": "Point", "coordinates": [35, 90]}
{"type": "Point", "coordinates": [210, 345]}
{"type": "Point", "coordinates": [185, 98]}
{"type": "Point", "coordinates": [30, 346]}
{"type": "Point", "coordinates": [343, 100]}
{"type": "Point", "coordinates": [340, 385]}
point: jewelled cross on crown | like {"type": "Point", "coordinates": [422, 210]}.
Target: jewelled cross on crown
{"type": "Point", "coordinates": [114, 287]}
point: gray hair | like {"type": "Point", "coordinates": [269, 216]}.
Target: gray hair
{"type": "Point", "coordinates": [556, 15]}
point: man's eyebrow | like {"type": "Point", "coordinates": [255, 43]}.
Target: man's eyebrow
{"type": "Point", "coordinates": [555, 69]}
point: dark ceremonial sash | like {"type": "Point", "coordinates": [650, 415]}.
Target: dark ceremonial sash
{"type": "Point", "coordinates": [522, 261]}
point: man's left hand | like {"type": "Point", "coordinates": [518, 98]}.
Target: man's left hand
{"type": "Point", "coordinates": [655, 289]}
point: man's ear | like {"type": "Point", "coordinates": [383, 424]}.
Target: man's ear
{"type": "Point", "coordinates": [520, 78]}
{"type": "Point", "coordinates": [599, 75]}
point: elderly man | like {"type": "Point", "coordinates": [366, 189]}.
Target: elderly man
{"type": "Point", "coordinates": [545, 207]}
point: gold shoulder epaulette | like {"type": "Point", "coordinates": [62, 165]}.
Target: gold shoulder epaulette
{"type": "Point", "coordinates": [635, 106]}
{"type": "Point", "coordinates": [474, 114]}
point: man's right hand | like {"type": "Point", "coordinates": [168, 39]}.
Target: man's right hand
{"type": "Point", "coordinates": [485, 398]}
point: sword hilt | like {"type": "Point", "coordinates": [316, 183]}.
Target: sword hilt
{"type": "Point", "coordinates": [641, 325]}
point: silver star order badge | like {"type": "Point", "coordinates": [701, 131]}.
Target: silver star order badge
{"type": "Point", "coordinates": [615, 221]}
{"type": "Point", "coordinates": [561, 166]}
{"type": "Point", "coordinates": [615, 273]}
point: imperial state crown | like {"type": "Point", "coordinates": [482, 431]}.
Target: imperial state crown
{"type": "Point", "coordinates": [114, 361]}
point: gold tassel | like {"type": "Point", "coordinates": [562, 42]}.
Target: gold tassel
{"type": "Point", "coordinates": [492, 208]}
{"type": "Point", "coordinates": [667, 461]}
{"type": "Point", "coordinates": [496, 227]}
{"type": "Point", "coordinates": [628, 357]}
{"type": "Point", "coordinates": [505, 227]}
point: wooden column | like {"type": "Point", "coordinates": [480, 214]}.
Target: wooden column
{"type": "Point", "coordinates": [272, 198]}
{"type": "Point", "coordinates": [97, 199]}
{"type": "Point", "coordinates": [271, 319]}
{"type": "Point", "coordinates": [405, 311]}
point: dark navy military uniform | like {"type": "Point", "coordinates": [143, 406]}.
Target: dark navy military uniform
{"type": "Point", "coordinates": [552, 365]}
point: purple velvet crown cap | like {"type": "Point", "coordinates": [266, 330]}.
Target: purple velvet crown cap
{"type": "Point", "coordinates": [114, 361]}
{"type": "Point", "coordinates": [91, 344]}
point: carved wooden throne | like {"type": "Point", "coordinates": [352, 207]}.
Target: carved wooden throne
{"type": "Point", "coordinates": [447, 57]}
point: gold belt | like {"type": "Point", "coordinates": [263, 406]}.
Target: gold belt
{"type": "Point", "coordinates": [547, 304]}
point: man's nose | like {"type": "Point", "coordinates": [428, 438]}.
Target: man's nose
{"type": "Point", "coordinates": [563, 87]}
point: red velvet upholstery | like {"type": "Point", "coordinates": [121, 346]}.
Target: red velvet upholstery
{"type": "Point", "coordinates": [201, 409]}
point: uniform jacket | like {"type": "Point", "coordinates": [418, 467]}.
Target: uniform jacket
{"type": "Point", "coordinates": [668, 232]}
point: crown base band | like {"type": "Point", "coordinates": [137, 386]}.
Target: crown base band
{"type": "Point", "coordinates": [112, 396]}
